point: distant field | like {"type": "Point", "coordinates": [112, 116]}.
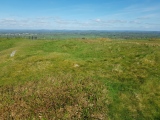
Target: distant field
{"type": "Point", "coordinates": [83, 34]}
{"type": "Point", "coordinates": [98, 78]}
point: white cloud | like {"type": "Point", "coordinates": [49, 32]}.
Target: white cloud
{"type": "Point", "coordinates": [23, 23]}
{"type": "Point", "coordinates": [62, 23]}
{"type": "Point", "coordinates": [141, 8]}
{"type": "Point", "coordinates": [98, 20]}
{"type": "Point", "coordinates": [134, 22]}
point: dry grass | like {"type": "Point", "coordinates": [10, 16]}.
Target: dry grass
{"type": "Point", "coordinates": [55, 98]}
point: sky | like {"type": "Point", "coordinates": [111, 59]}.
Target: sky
{"type": "Point", "coordinates": [80, 14]}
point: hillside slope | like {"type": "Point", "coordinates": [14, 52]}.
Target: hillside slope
{"type": "Point", "coordinates": [79, 79]}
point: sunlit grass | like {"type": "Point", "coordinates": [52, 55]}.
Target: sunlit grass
{"type": "Point", "coordinates": [66, 79]}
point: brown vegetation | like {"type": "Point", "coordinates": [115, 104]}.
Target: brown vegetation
{"type": "Point", "coordinates": [54, 99]}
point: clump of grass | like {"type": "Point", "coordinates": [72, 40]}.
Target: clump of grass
{"type": "Point", "coordinates": [55, 98]}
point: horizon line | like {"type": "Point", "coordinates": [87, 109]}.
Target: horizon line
{"type": "Point", "coordinates": [80, 30]}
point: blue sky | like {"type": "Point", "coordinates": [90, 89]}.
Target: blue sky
{"type": "Point", "coordinates": [80, 14]}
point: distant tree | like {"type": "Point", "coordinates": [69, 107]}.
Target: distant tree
{"type": "Point", "coordinates": [35, 37]}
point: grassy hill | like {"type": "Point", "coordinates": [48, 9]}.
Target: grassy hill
{"type": "Point", "coordinates": [80, 79]}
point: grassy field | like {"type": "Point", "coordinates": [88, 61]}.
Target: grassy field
{"type": "Point", "coordinates": [94, 79]}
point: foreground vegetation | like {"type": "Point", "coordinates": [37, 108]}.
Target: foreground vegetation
{"type": "Point", "coordinates": [80, 79]}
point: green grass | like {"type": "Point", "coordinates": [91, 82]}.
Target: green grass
{"type": "Point", "coordinates": [80, 79]}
